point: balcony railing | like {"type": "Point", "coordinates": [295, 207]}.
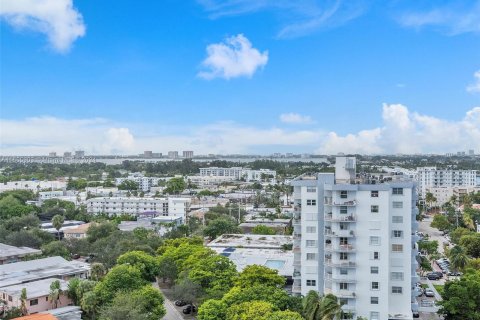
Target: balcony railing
{"type": "Point", "coordinates": [349, 203]}
{"type": "Point", "coordinates": [340, 247]}
{"type": "Point", "coordinates": [339, 233]}
{"type": "Point", "coordinates": [340, 264]}
{"type": "Point", "coordinates": [340, 278]}
{"type": "Point", "coordinates": [340, 218]}
{"type": "Point", "coordinates": [344, 293]}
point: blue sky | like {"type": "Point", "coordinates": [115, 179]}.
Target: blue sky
{"type": "Point", "coordinates": [305, 76]}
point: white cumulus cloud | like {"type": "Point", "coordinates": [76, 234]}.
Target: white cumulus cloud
{"type": "Point", "coordinates": [409, 132]}
{"type": "Point", "coordinates": [58, 19]}
{"type": "Point", "coordinates": [401, 131]}
{"type": "Point", "coordinates": [475, 87]}
{"type": "Point", "coordinates": [235, 57]}
{"type": "Point", "coordinates": [295, 118]}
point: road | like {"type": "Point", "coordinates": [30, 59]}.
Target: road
{"type": "Point", "coordinates": [172, 312]}
{"type": "Point", "coordinates": [434, 234]}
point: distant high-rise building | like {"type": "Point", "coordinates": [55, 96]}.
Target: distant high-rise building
{"type": "Point", "coordinates": [79, 154]}
{"type": "Point", "coordinates": [471, 152]}
{"type": "Point", "coordinates": [67, 154]}
{"type": "Point", "coordinates": [173, 154]}
{"type": "Point", "coordinates": [460, 153]}
{"type": "Point", "coordinates": [188, 154]}
{"type": "Point", "coordinates": [52, 154]}
{"type": "Point", "coordinates": [147, 154]}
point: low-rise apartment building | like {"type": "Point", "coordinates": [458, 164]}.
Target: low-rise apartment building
{"type": "Point", "coordinates": [144, 183]}
{"type": "Point", "coordinates": [37, 295]}
{"type": "Point", "coordinates": [34, 270]}
{"type": "Point", "coordinates": [136, 206]}
{"type": "Point", "coordinates": [431, 177]}
{"type": "Point", "coordinates": [239, 173]}
{"type": "Point", "coordinates": [11, 254]}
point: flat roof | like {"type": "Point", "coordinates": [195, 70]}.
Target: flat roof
{"type": "Point", "coordinates": [251, 241]}
{"type": "Point", "coordinates": [35, 289]}
{"type": "Point", "coordinates": [273, 258]}
{"type": "Point", "coordinates": [11, 251]}
{"type": "Point", "coordinates": [27, 271]}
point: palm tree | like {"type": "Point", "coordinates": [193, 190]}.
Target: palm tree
{"type": "Point", "coordinates": [23, 306]}
{"type": "Point", "coordinates": [97, 271]}
{"type": "Point", "coordinates": [316, 307]}
{"type": "Point", "coordinates": [430, 198]}
{"type": "Point", "coordinates": [458, 258]}
{"type": "Point", "coordinates": [55, 293]}
{"type": "Point", "coordinates": [330, 308]}
{"type": "Point", "coordinates": [57, 222]}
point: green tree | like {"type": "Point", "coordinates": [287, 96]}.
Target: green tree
{"type": "Point", "coordinates": [23, 304]}
{"type": "Point", "coordinates": [285, 315]}
{"type": "Point", "coordinates": [128, 185]}
{"type": "Point", "coordinates": [90, 303]}
{"type": "Point", "coordinates": [458, 258]}
{"type": "Point", "coordinates": [430, 199]}
{"type": "Point", "coordinates": [214, 273]}
{"type": "Point", "coordinates": [55, 293]}
{"type": "Point", "coordinates": [471, 243]}
{"type": "Point", "coordinates": [11, 206]}
{"type": "Point", "coordinates": [144, 262]}
{"type": "Point", "coordinates": [276, 296]}
{"type": "Point", "coordinates": [259, 275]}
{"type": "Point", "coordinates": [22, 223]}
{"type": "Point", "coordinates": [253, 310]}
{"type": "Point", "coordinates": [187, 290]}
{"type": "Point", "coordinates": [72, 288]}
{"type": "Point", "coordinates": [461, 298]}
{"type": "Point", "coordinates": [119, 278]}
{"type": "Point", "coordinates": [456, 234]}
{"type": "Point", "coordinates": [56, 248]}
{"type": "Point", "coordinates": [97, 271]}
{"type": "Point", "coordinates": [431, 247]}
{"type": "Point", "coordinates": [220, 226]}
{"type": "Point", "coordinates": [263, 229]}
{"type": "Point", "coordinates": [440, 222]}
{"type": "Point", "coordinates": [212, 310]}
{"type": "Point", "coordinates": [57, 222]}
{"type": "Point", "coordinates": [100, 230]}
{"type": "Point", "coordinates": [144, 303]}
{"type": "Point", "coordinates": [175, 186]}
{"type": "Point", "coordinates": [318, 307]}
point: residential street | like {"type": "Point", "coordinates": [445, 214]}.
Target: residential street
{"type": "Point", "coordinates": [172, 312]}
{"type": "Point", "coordinates": [434, 234]}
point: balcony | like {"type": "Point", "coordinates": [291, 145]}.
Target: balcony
{"type": "Point", "coordinates": [296, 288]}
{"type": "Point", "coordinates": [296, 273]}
{"type": "Point", "coordinates": [344, 294]}
{"type": "Point", "coordinates": [340, 218]}
{"type": "Point", "coordinates": [340, 264]}
{"type": "Point", "coordinates": [349, 203]}
{"type": "Point", "coordinates": [339, 233]}
{"type": "Point", "coordinates": [340, 247]}
{"type": "Point", "coordinates": [296, 249]}
{"type": "Point", "coordinates": [340, 278]}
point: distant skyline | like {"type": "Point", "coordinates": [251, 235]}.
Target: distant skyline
{"type": "Point", "coordinates": [239, 76]}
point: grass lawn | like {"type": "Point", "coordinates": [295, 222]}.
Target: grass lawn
{"type": "Point", "coordinates": [439, 288]}
{"type": "Point", "coordinates": [424, 285]}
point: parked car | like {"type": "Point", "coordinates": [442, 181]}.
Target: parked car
{"type": "Point", "coordinates": [180, 303]}
{"type": "Point", "coordinates": [438, 273]}
{"type": "Point", "coordinates": [415, 314]}
{"type": "Point", "coordinates": [455, 274]}
{"type": "Point", "coordinates": [433, 276]}
{"type": "Point", "coordinates": [189, 309]}
{"type": "Point", "coordinates": [429, 293]}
